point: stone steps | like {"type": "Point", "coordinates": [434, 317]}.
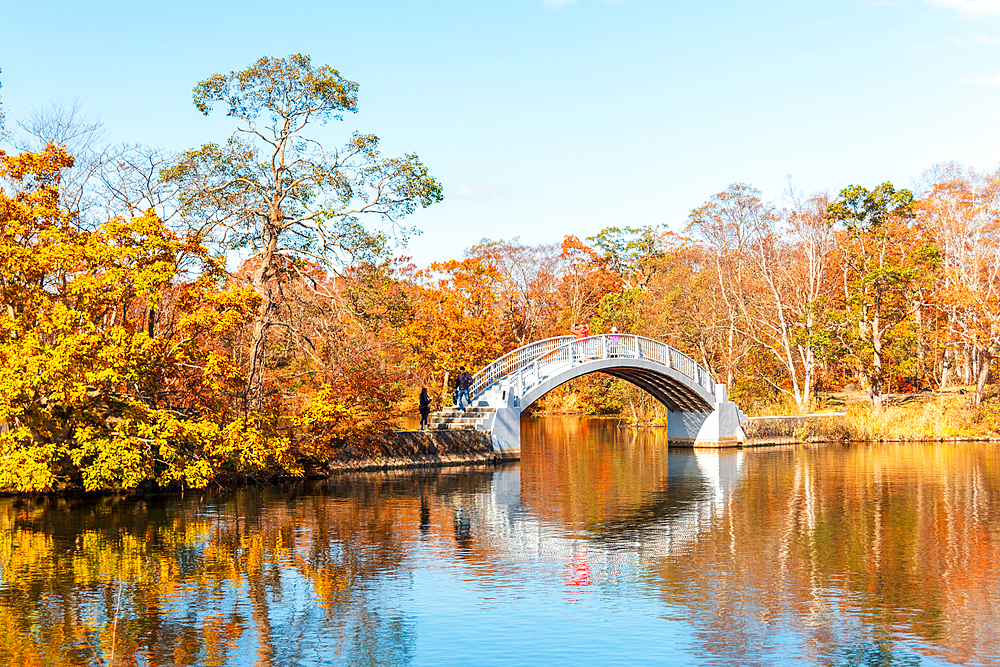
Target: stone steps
{"type": "Point", "coordinates": [472, 408]}
{"type": "Point", "coordinates": [452, 418]}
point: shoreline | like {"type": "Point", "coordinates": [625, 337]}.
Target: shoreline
{"type": "Point", "coordinates": [417, 461]}
{"type": "Point", "coordinates": [414, 450]}
{"type": "Point", "coordinates": [394, 450]}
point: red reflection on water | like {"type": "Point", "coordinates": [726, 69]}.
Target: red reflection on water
{"type": "Point", "coordinates": [578, 573]}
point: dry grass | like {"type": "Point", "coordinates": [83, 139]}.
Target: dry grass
{"type": "Point", "coordinates": [785, 405]}
{"type": "Point", "coordinates": [941, 416]}
{"type": "Point", "coordinates": [922, 416]}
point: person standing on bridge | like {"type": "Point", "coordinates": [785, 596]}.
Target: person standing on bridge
{"type": "Point", "coordinates": [581, 331]}
{"type": "Point", "coordinates": [464, 383]}
{"type": "Point", "coordinates": [425, 407]}
{"type": "Point", "coordinates": [613, 341]}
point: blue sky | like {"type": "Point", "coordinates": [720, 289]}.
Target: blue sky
{"type": "Point", "coordinates": [551, 117]}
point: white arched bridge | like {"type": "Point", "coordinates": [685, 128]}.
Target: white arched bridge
{"type": "Point", "coordinates": [700, 413]}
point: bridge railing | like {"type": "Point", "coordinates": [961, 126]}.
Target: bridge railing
{"type": "Point", "coordinates": [534, 355]}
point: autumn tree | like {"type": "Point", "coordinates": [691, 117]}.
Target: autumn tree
{"type": "Point", "coordinates": [339, 363]}
{"type": "Point", "coordinates": [459, 316]}
{"type": "Point", "coordinates": [885, 262]}
{"type": "Point", "coordinates": [280, 197]}
{"type": "Point", "coordinates": [585, 278]}
{"type": "Point", "coordinates": [727, 225]}
{"type": "Point", "coordinates": [963, 209]}
{"type": "Point", "coordinates": [634, 253]}
{"type": "Point", "coordinates": [90, 394]}
{"type": "Point", "coordinates": [526, 286]}
{"type": "Point", "coordinates": [807, 270]}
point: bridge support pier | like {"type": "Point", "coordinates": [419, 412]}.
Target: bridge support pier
{"type": "Point", "coordinates": [719, 428]}
{"type": "Point", "coordinates": [504, 425]}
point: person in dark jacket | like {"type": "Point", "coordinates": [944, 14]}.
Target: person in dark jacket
{"type": "Point", "coordinates": [425, 407]}
{"type": "Point", "coordinates": [463, 383]}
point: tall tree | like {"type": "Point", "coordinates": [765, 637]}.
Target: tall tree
{"type": "Point", "coordinates": [526, 286]}
{"type": "Point", "coordinates": [280, 196]}
{"type": "Point", "coordinates": [885, 261]}
{"type": "Point", "coordinates": [810, 241]}
{"type": "Point", "coordinates": [461, 316]}
{"type": "Point", "coordinates": [633, 252]}
{"type": "Point", "coordinates": [585, 279]}
{"type": "Point", "coordinates": [963, 209]}
{"type": "Point", "coordinates": [727, 224]}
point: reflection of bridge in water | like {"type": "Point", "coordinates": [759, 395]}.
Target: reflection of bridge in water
{"type": "Point", "coordinates": [689, 501]}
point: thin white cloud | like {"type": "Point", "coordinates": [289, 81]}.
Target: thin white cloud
{"type": "Point", "coordinates": [980, 38]}
{"type": "Point", "coordinates": [982, 79]}
{"type": "Point", "coordinates": [970, 7]}
{"type": "Point", "coordinates": [975, 38]}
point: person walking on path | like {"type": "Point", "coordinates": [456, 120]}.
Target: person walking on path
{"type": "Point", "coordinates": [464, 382]}
{"type": "Point", "coordinates": [425, 407]}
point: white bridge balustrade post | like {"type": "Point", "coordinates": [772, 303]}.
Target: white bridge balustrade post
{"type": "Point", "coordinates": [700, 413]}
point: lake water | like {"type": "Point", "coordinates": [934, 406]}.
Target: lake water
{"type": "Point", "coordinates": [601, 547]}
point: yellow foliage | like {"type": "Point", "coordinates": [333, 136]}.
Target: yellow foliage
{"type": "Point", "coordinates": [87, 395]}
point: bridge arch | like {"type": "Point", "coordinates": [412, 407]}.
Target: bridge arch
{"type": "Point", "coordinates": [700, 412]}
{"type": "Point", "coordinates": [666, 385]}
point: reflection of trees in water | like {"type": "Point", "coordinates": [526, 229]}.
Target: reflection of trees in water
{"type": "Point", "coordinates": [603, 472]}
{"type": "Point", "coordinates": [844, 548]}
{"type": "Point", "coordinates": [836, 548]}
{"type": "Point", "coordinates": [282, 573]}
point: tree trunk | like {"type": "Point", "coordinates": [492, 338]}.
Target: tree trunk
{"type": "Point", "coordinates": [920, 371]}
{"type": "Point", "coordinates": [985, 357]}
{"type": "Point", "coordinates": [808, 375]}
{"type": "Point", "coordinates": [876, 375]}
{"type": "Point", "coordinates": [729, 364]}
{"type": "Point", "coordinates": [255, 375]}
{"type": "Point", "coordinates": [260, 282]}
{"type": "Point", "coordinates": [945, 368]}
{"type": "Point", "coordinates": [965, 368]}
